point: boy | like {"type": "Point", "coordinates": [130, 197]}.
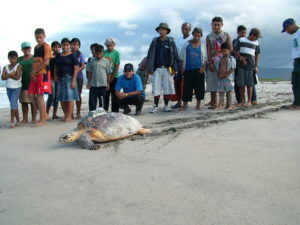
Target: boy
{"type": "Point", "coordinates": [42, 55]}
{"type": "Point", "coordinates": [289, 26]}
{"type": "Point", "coordinates": [225, 67]}
{"type": "Point", "coordinates": [26, 62]}
{"type": "Point", "coordinates": [132, 93]}
{"type": "Point", "coordinates": [114, 57]}
{"type": "Point", "coordinates": [214, 40]}
{"type": "Point", "coordinates": [98, 74]}
{"type": "Point", "coordinates": [247, 51]}
{"type": "Point", "coordinates": [52, 98]}
{"type": "Point", "coordinates": [163, 62]}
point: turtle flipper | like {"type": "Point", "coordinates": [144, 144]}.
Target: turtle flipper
{"type": "Point", "coordinates": [144, 131]}
{"type": "Point", "coordinates": [87, 143]}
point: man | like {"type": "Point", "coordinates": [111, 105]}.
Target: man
{"type": "Point", "coordinates": [132, 90]}
{"type": "Point", "coordinates": [162, 62]}
{"type": "Point", "coordinates": [186, 36]}
{"type": "Point", "coordinates": [289, 26]}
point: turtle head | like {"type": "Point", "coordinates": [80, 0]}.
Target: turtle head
{"type": "Point", "coordinates": [69, 137]}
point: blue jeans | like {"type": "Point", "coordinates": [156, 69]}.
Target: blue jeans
{"type": "Point", "coordinates": [13, 95]}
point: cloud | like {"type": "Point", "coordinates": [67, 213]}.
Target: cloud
{"type": "Point", "coordinates": [125, 25]}
{"type": "Point", "coordinates": [173, 18]}
{"type": "Point", "coordinates": [130, 33]}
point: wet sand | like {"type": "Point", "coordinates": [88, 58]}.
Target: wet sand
{"type": "Point", "coordinates": [205, 167]}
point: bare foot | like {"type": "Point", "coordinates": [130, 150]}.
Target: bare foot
{"type": "Point", "coordinates": [33, 122]}
{"type": "Point", "coordinates": [67, 120]}
{"type": "Point", "coordinates": [39, 124]}
{"type": "Point", "coordinates": [219, 107]}
{"type": "Point", "coordinates": [11, 125]}
{"type": "Point", "coordinates": [24, 121]}
{"type": "Point", "coordinates": [230, 108]}
{"type": "Point", "coordinates": [240, 105]}
{"type": "Point", "coordinates": [197, 107]}
{"type": "Point", "coordinates": [248, 104]}
{"type": "Point", "coordinates": [18, 124]}
{"type": "Point", "coordinates": [78, 116]}
{"type": "Point", "coordinates": [294, 107]}
{"type": "Point", "coordinates": [48, 117]}
{"type": "Point", "coordinates": [183, 108]}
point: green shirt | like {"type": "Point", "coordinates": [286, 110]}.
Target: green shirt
{"type": "Point", "coordinates": [100, 69]}
{"type": "Point", "coordinates": [26, 70]}
{"type": "Point", "coordinates": [114, 58]}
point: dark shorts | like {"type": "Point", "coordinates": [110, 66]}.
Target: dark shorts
{"type": "Point", "coordinates": [245, 77]}
{"type": "Point", "coordinates": [79, 85]}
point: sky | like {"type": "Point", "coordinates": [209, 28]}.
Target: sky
{"type": "Point", "coordinates": [133, 23]}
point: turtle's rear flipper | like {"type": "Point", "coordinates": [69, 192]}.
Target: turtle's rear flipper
{"type": "Point", "coordinates": [87, 143]}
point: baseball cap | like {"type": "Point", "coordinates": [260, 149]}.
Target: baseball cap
{"type": "Point", "coordinates": [25, 44]}
{"type": "Point", "coordinates": [255, 32]}
{"type": "Point", "coordinates": [128, 67]}
{"type": "Point", "coordinates": [110, 41]}
{"type": "Point", "coordinates": [286, 23]}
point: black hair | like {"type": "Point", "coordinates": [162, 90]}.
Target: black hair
{"type": "Point", "coordinates": [39, 31]}
{"type": "Point", "coordinates": [76, 40]}
{"type": "Point", "coordinates": [55, 43]}
{"type": "Point", "coordinates": [99, 48]}
{"type": "Point", "coordinates": [240, 28]}
{"type": "Point", "coordinates": [186, 24]}
{"type": "Point", "coordinates": [197, 30]}
{"type": "Point", "coordinates": [225, 45]}
{"type": "Point", "coordinates": [65, 40]}
{"type": "Point", "coordinates": [12, 54]}
{"type": "Point", "coordinates": [217, 19]}
{"type": "Point", "coordinates": [93, 45]}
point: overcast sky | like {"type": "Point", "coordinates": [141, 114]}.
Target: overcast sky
{"type": "Point", "coordinates": [133, 23]}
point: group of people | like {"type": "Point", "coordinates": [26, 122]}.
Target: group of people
{"type": "Point", "coordinates": [179, 70]}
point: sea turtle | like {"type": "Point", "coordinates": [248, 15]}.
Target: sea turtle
{"type": "Point", "coordinates": [99, 126]}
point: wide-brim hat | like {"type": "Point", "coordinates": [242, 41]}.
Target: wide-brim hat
{"type": "Point", "coordinates": [163, 25]}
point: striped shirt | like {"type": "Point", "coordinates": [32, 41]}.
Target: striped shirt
{"type": "Point", "coordinates": [248, 49]}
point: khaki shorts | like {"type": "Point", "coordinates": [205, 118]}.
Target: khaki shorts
{"type": "Point", "coordinates": [24, 97]}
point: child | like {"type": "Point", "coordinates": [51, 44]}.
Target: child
{"type": "Point", "coordinates": [194, 57]}
{"type": "Point", "coordinates": [225, 67]}
{"type": "Point", "coordinates": [75, 45]}
{"type": "Point", "coordinates": [52, 98]}
{"type": "Point", "coordinates": [114, 57]}
{"type": "Point", "coordinates": [26, 62]}
{"type": "Point", "coordinates": [163, 62]}
{"type": "Point", "coordinates": [98, 74]}
{"type": "Point", "coordinates": [247, 51]}
{"type": "Point", "coordinates": [213, 44]}
{"type": "Point", "coordinates": [66, 69]}
{"type": "Point", "coordinates": [42, 55]}
{"type": "Point", "coordinates": [290, 27]}
{"type": "Point", "coordinates": [12, 74]}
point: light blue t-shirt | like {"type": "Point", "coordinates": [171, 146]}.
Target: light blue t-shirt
{"type": "Point", "coordinates": [130, 85]}
{"type": "Point", "coordinates": [193, 58]}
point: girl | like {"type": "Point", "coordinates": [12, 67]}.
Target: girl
{"type": "Point", "coordinates": [52, 98]}
{"type": "Point", "coordinates": [12, 74]}
{"type": "Point", "coordinates": [26, 62]}
{"type": "Point", "coordinates": [75, 45]}
{"type": "Point", "coordinates": [194, 57]}
{"type": "Point", "coordinates": [66, 70]}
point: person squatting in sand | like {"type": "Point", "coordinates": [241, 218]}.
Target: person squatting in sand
{"type": "Point", "coordinates": [225, 67]}
{"type": "Point", "coordinates": [12, 75]}
{"type": "Point", "coordinates": [193, 58]}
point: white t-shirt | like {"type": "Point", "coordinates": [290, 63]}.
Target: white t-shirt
{"type": "Point", "coordinates": [181, 41]}
{"type": "Point", "coordinates": [11, 83]}
{"type": "Point", "coordinates": [296, 45]}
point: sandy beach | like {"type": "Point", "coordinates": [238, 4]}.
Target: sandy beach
{"type": "Point", "coordinates": [197, 167]}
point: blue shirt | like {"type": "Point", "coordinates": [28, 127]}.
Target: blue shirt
{"type": "Point", "coordinates": [193, 58]}
{"type": "Point", "coordinates": [130, 85]}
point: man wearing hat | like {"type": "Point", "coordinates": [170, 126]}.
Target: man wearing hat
{"type": "Point", "coordinates": [289, 26]}
{"type": "Point", "coordinates": [162, 64]}
{"type": "Point", "coordinates": [129, 90]}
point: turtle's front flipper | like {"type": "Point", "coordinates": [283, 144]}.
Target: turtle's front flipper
{"type": "Point", "coordinates": [87, 143]}
{"type": "Point", "coordinates": [144, 131]}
